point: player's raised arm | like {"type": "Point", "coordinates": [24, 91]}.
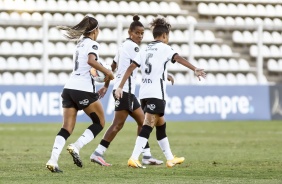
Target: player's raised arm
{"type": "Point", "coordinates": [198, 71]}
{"type": "Point", "coordinates": [118, 92]}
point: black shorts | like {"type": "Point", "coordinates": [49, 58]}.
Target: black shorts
{"type": "Point", "coordinates": [78, 99]}
{"type": "Point", "coordinates": [127, 102]}
{"type": "Point", "coordinates": [153, 106]}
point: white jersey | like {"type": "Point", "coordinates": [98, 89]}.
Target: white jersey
{"type": "Point", "coordinates": [80, 78]}
{"type": "Point", "coordinates": [153, 60]}
{"type": "Point", "coordinates": [126, 53]}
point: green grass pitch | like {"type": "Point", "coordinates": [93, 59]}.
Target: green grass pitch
{"type": "Point", "coordinates": [215, 152]}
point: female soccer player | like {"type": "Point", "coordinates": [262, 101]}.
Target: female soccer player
{"type": "Point", "coordinates": [129, 105]}
{"type": "Point", "coordinates": [153, 61]}
{"type": "Point", "coordinates": [79, 92]}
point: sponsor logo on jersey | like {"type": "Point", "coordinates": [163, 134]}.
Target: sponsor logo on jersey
{"type": "Point", "coordinates": [84, 102]}
{"type": "Point", "coordinates": [95, 47]}
{"type": "Point", "coordinates": [151, 106]}
{"type": "Point", "coordinates": [149, 81]}
{"type": "Point", "coordinates": [149, 48]}
{"type": "Point", "coordinates": [117, 102]}
{"type": "Point", "coordinates": [136, 49]}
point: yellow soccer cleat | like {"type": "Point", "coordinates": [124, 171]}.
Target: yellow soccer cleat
{"type": "Point", "coordinates": [134, 163]}
{"type": "Point", "coordinates": [174, 161]}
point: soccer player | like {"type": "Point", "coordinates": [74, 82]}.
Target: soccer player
{"type": "Point", "coordinates": [79, 92]}
{"type": "Point", "coordinates": [129, 105]}
{"type": "Point", "coordinates": [153, 60]}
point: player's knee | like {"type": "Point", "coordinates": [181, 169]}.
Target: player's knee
{"type": "Point", "coordinates": [95, 119]}
{"type": "Point", "coordinates": [118, 126]}
{"type": "Point", "coordinates": [161, 132]}
{"type": "Point", "coordinates": [97, 125]}
{"type": "Point", "coordinates": [145, 131]}
{"type": "Point", "coordinates": [64, 133]}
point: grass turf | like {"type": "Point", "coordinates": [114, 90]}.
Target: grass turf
{"type": "Point", "coordinates": [215, 152]}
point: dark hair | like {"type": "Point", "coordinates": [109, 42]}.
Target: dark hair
{"type": "Point", "coordinates": [135, 23]}
{"type": "Point", "coordinates": [160, 26]}
{"type": "Point", "coordinates": [84, 27]}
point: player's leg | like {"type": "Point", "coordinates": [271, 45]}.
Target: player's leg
{"type": "Point", "coordinates": [122, 108]}
{"type": "Point", "coordinates": [142, 139]}
{"type": "Point", "coordinates": [148, 159]}
{"type": "Point", "coordinates": [96, 113]}
{"type": "Point", "coordinates": [69, 119]}
{"type": "Point", "coordinates": [115, 127]}
{"type": "Point", "coordinates": [164, 144]}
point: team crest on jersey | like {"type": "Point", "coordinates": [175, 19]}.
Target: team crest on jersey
{"type": "Point", "coordinates": [136, 49]}
{"type": "Point", "coordinates": [95, 47]}
{"type": "Point", "coordinates": [117, 102]}
{"type": "Point", "coordinates": [151, 106]}
{"type": "Point", "coordinates": [84, 102]}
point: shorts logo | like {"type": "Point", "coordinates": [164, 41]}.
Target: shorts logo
{"type": "Point", "coordinates": [84, 102]}
{"type": "Point", "coordinates": [117, 102]}
{"type": "Point", "coordinates": [95, 47]}
{"type": "Point", "coordinates": [151, 106]}
{"type": "Point", "coordinates": [136, 49]}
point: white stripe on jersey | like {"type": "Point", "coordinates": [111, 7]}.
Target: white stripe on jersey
{"type": "Point", "coordinates": [126, 53]}
{"type": "Point", "coordinates": [80, 78]}
{"type": "Point", "coordinates": [153, 60]}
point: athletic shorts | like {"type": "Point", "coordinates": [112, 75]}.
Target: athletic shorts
{"type": "Point", "coordinates": [78, 99]}
{"type": "Point", "coordinates": [127, 102]}
{"type": "Point", "coordinates": [153, 106]}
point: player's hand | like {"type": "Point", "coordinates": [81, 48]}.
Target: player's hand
{"type": "Point", "coordinates": [109, 76]}
{"type": "Point", "coordinates": [200, 73]}
{"type": "Point", "coordinates": [118, 93]}
{"type": "Point", "coordinates": [102, 92]}
{"type": "Point", "coordinates": [170, 78]}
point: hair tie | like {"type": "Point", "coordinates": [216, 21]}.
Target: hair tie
{"type": "Point", "coordinates": [92, 29]}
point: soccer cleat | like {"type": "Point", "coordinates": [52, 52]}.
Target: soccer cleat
{"type": "Point", "coordinates": [149, 160]}
{"type": "Point", "coordinates": [174, 161]}
{"type": "Point", "coordinates": [134, 163]}
{"type": "Point", "coordinates": [98, 158]}
{"type": "Point", "coordinates": [75, 155]}
{"type": "Point", "coordinates": [53, 167]}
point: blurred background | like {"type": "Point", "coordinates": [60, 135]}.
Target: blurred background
{"type": "Point", "coordinates": [237, 42]}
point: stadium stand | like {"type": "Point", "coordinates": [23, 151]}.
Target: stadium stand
{"type": "Point", "coordinates": [224, 39]}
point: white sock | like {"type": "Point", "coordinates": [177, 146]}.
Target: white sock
{"type": "Point", "coordinates": [164, 144]}
{"type": "Point", "coordinates": [101, 149]}
{"type": "Point", "coordinates": [59, 143]}
{"type": "Point", "coordinates": [84, 139]}
{"type": "Point", "coordinates": [147, 152]}
{"type": "Point", "coordinates": [139, 146]}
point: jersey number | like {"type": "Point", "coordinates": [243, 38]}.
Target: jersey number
{"type": "Point", "coordinates": [148, 70]}
{"type": "Point", "coordinates": [76, 64]}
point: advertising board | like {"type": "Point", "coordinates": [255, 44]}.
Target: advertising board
{"type": "Point", "coordinates": [184, 103]}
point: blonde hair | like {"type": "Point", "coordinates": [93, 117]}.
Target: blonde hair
{"type": "Point", "coordinates": [84, 27]}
